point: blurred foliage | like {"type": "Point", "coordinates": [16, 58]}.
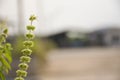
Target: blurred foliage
{"type": "Point", "coordinates": [5, 52]}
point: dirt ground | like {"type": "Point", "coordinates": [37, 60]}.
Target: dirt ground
{"type": "Point", "coordinates": [83, 64]}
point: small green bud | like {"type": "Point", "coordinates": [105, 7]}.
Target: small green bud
{"type": "Point", "coordinates": [4, 35]}
{"type": "Point", "coordinates": [25, 59]}
{"type": "Point", "coordinates": [30, 27]}
{"type": "Point", "coordinates": [27, 51]}
{"type": "Point", "coordinates": [28, 43]}
{"type": "Point", "coordinates": [23, 66]}
{"type": "Point", "coordinates": [30, 35]}
{"type": "Point", "coordinates": [32, 17]}
{"type": "Point", "coordinates": [21, 73]}
{"type": "Point", "coordinates": [19, 78]}
{"type": "Point", "coordinates": [8, 46]}
{"type": "Point", "coordinates": [5, 31]}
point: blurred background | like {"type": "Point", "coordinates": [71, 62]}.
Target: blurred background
{"type": "Point", "coordinates": [75, 39]}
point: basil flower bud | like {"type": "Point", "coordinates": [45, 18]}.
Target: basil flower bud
{"type": "Point", "coordinates": [19, 78]}
{"type": "Point", "coordinates": [4, 35]}
{"type": "Point", "coordinates": [23, 66]}
{"type": "Point", "coordinates": [28, 43]}
{"type": "Point", "coordinates": [5, 31]}
{"type": "Point", "coordinates": [30, 27]}
{"type": "Point", "coordinates": [25, 59]}
{"type": "Point", "coordinates": [21, 73]}
{"type": "Point", "coordinates": [26, 51]}
{"type": "Point", "coordinates": [8, 46]}
{"type": "Point", "coordinates": [30, 35]}
{"type": "Point", "coordinates": [32, 17]}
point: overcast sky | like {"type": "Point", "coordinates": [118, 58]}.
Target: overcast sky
{"type": "Point", "coordinates": [85, 15]}
{"type": "Point", "coordinates": [57, 15]}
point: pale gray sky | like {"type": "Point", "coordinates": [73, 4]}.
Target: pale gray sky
{"type": "Point", "coordinates": [57, 15]}
{"type": "Point", "coordinates": [85, 15]}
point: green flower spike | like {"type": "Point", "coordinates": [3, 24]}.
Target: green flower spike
{"type": "Point", "coordinates": [25, 59]}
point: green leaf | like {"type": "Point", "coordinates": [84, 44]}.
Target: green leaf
{"type": "Point", "coordinates": [5, 63]}
{"type": "Point", "coordinates": [8, 57]}
{"type": "Point", "coordinates": [7, 53]}
{"type": "Point", "coordinates": [2, 77]}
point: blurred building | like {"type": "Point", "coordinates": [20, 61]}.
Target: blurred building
{"type": "Point", "coordinates": [70, 39]}
{"type": "Point", "coordinates": [105, 37]}
{"type": "Point", "coordinates": [100, 37]}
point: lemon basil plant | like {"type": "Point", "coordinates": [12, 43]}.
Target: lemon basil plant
{"type": "Point", "coordinates": [5, 51]}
